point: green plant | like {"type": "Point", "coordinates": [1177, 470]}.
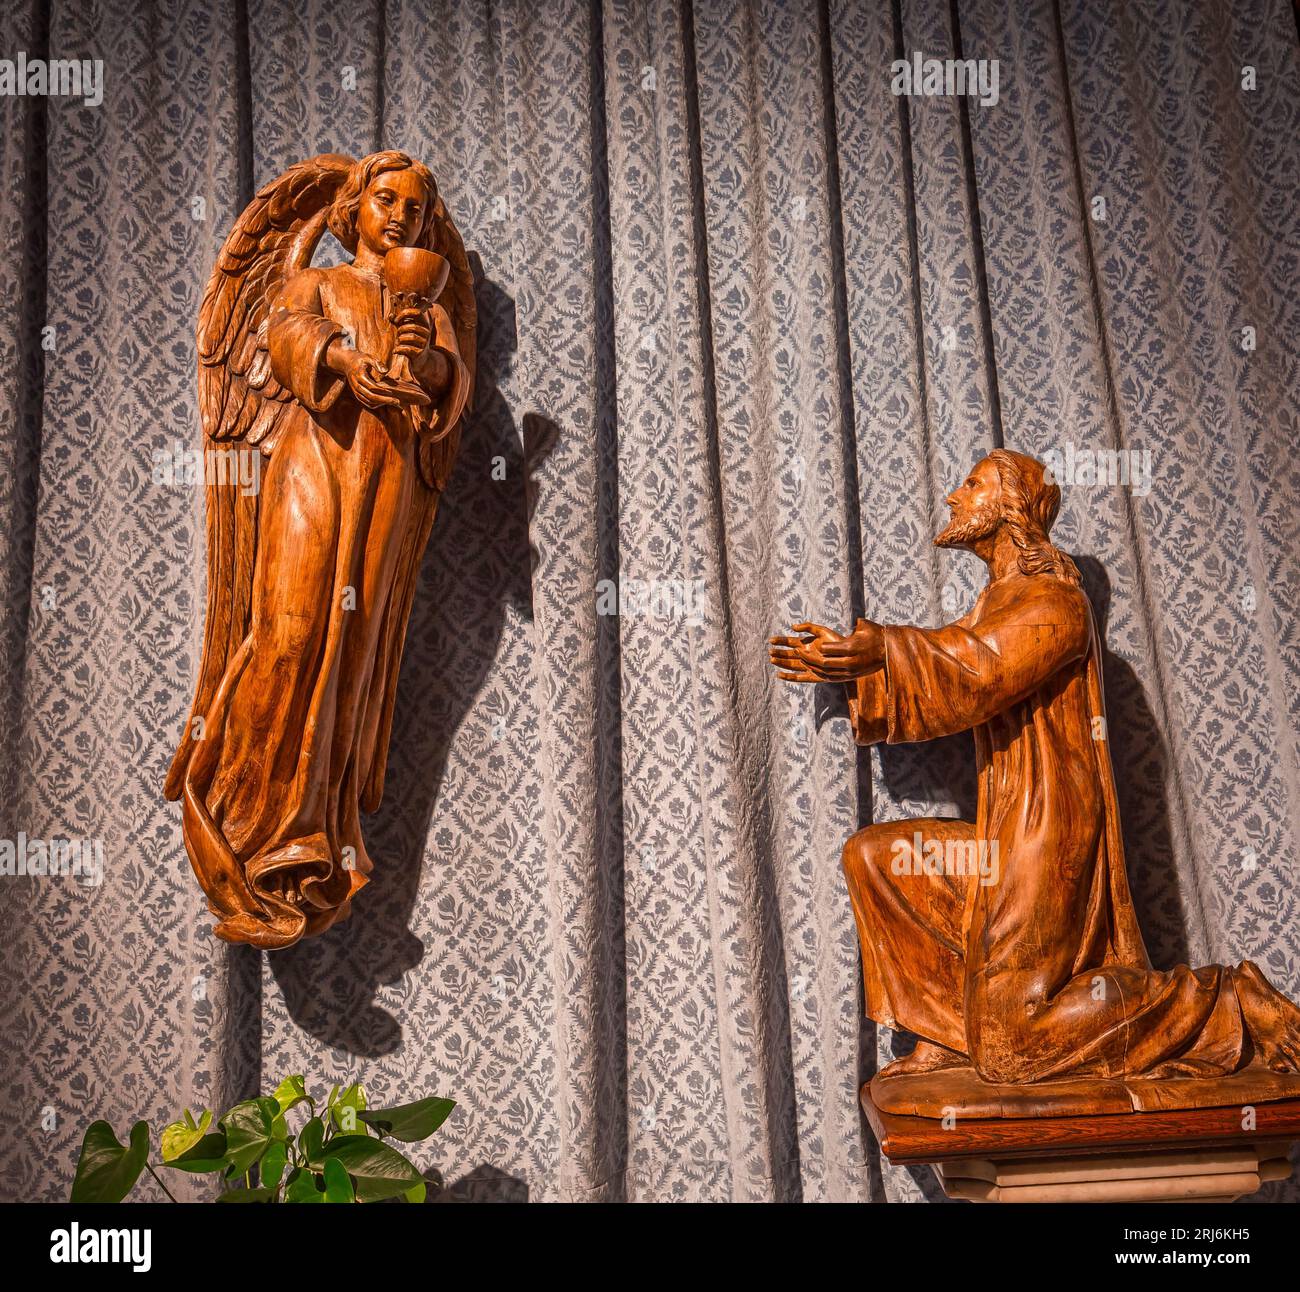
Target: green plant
{"type": "Point", "coordinates": [338, 1154]}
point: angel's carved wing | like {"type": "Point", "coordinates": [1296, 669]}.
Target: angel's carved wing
{"type": "Point", "coordinates": [240, 402]}
{"type": "Point", "coordinates": [275, 237]}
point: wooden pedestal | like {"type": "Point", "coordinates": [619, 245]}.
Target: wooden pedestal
{"type": "Point", "coordinates": [1200, 1154]}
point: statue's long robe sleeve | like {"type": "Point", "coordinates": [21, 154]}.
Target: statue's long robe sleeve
{"type": "Point", "coordinates": [1041, 973]}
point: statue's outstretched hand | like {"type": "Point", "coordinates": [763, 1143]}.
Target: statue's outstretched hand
{"type": "Point", "coordinates": [800, 659]}
{"type": "Point", "coordinates": [823, 655]}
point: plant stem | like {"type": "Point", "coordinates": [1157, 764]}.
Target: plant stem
{"type": "Point", "coordinates": [161, 1185]}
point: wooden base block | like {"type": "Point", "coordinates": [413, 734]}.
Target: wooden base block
{"type": "Point", "coordinates": [1204, 1154]}
{"type": "Point", "coordinates": [929, 1094]}
{"type": "Point", "coordinates": [1196, 1175]}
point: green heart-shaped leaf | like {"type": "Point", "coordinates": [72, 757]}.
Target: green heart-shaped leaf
{"type": "Point", "coordinates": [338, 1184]}
{"type": "Point", "coordinates": [106, 1170]}
{"type": "Point", "coordinates": [410, 1122]}
{"type": "Point", "coordinates": [290, 1092]}
{"type": "Point", "coordinates": [310, 1140]}
{"type": "Point", "coordinates": [378, 1170]}
{"type": "Point", "coordinates": [347, 1108]}
{"type": "Point", "coordinates": [303, 1186]}
{"type": "Point", "coordinates": [209, 1154]}
{"type": "Point", "coordinates": [272, 1164]}
{"type": "Point", "coordinates": [179, 1137]}
{"type": "Point", "coordinates": [249, 1132]}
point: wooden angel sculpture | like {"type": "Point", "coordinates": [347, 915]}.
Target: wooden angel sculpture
{"type": "Point", "coordinates": [1009, 944]}
{"type": "Point", "coordinates": [352, 384]}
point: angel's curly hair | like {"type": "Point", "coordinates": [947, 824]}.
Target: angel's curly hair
{"type": "Point", "coordinates": [1029, 505]}
{"type": "Point", "coordinates": [342, 217]}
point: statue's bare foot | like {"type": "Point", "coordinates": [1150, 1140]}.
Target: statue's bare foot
{"type": "Point", "coordinates": [927, 1057]}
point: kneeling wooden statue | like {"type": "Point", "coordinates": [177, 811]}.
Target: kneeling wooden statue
{"type": "Point", "coordinates": [1044, 1030]}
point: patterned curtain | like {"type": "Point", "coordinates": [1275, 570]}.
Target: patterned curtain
{"type": "Point", "coordinates": [746, 317]}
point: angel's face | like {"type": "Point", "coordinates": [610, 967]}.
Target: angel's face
{"type": "Point", "coordinates": [392, 210]}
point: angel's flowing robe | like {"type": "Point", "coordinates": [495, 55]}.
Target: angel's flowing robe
{"type": "Point", "coordinates": [1034, 969]}
{"type": "Point", "coordinates": [296, 716]}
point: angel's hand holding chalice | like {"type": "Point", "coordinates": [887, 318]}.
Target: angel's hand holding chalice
{"type": "Point", "coordinates": [413, 331]}
{"type": "Point", "coordinates": [415, 278]}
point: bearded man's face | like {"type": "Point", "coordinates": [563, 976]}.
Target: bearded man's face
{"type": "Point", "coordinates": [976, 507]}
